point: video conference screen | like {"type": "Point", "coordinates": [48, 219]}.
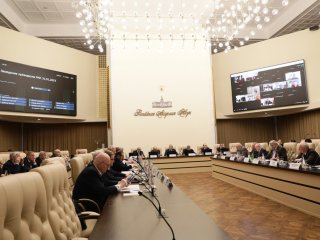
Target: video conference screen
{"type": "Point", "coordinates": [30, 89]}
{"type": "Point", "coordinates": [270, 87]}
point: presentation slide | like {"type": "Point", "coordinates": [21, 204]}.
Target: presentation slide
{"type": "Point", "coordinates": [31, 89]}
{"type": "Point", "coordinates": [270, 87]}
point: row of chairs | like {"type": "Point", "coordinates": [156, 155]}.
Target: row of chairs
{"type": "Point", "coordinates": [38, 205]}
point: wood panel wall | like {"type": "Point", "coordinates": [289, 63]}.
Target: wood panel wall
{"type": "Point", "coordinates": [299, 126]}
{"type": "Point", "coordinates": [245, 130]}
{"type": "Point", "coordinates": [10, 136]}
{"type": "Point", "coordinates": [69, 136]}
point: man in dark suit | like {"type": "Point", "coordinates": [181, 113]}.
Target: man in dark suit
{"type": "Point", "coordinates": [13, 165]}
{"type": "Point", "coordinates": [241, 150]}
{"type": "Point", "coordinates": [155, 151]}
{"type": "Point", "coordinates": [118, 164]}
{"type": "Point", "coordinates": [42, 156]}
{"type": "Point", "coordinates": [90, 184]}
{"type": "Point", "coordinates": [169, 151]}
{"type": "Point", "coordinates": [277, 152]}
{"type": "Point", "coordinates": [138, 152]}
{"type": "Point", "coordinates": [258, 151]}
{"type": "Point", "coordinates": [187, 150]}
{"type": "Point", "coordinates": [308, 155]}
{"type": "Point", "coordinates": [29, 161]}
{"type": "Point", "coordinates": [205, 149]}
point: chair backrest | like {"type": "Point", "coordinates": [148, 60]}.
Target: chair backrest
{"type": "Point", "coordinates": [65, 153]}
{"type": "Point", "coordinates": [4, 157]}
{"type": "Point", "coordinates": [61, 212]}
{"type": "Point", "coordinates": [265, 146]}
{"type": "Point", "coordinates": [81, 151]}
{"type": "Point", "coordinates": [290, 147]}
{"type": "Point", "coordinates": [318, 149]}
{"type": "Point", "coordinates": [215, 147]}
{"type": "Point", "coordinates": [54, 160]}
{"type": "Point", "coordinates": [232, 147]}
{"type": "Point", "coordinates": [249, 145]}
{"type": "Point", "coordinates": [77, 165]}
{"type": "Point", "coordinates": [87, 158]}
{"type": "Point", "coordinates": [23, 211]}
{"type": "Point", "coordinates": [49, 154]}
{"type": "Point", "coordinates": [316, 141]}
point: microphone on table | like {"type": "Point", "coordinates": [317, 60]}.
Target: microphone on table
{"type": "Point", "coordinates": [159, 211]}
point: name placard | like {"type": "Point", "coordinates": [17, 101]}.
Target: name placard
{"type": "Point", "coordinates": [153, 156]}
{"type": "Point", "coordinates": [295, 166]}
{"type": "Point", "coordinates": [255, 161]}
{"type": "Point", "coordinates": [215, 156]}
{"type": "Point", "coordinates": [246, 160]}
{"type": "Point", "coordinates": [172, 155]}
{"type": "Point", "coordinates": [232, 158]}
{"type": "Point", "coordinates": [223, 157]}
{"type": "Point", "coordinates": [191, 154]}
{"type": "Point", "coordinates": [208, 153]}
{"type": "Point", "coordinates": [273, 163]}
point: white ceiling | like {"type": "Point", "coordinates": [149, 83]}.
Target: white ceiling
{"type": "Point", "coordinates": [56, 18]}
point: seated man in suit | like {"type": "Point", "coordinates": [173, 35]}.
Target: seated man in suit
{"type": "Point", "coordinates": [259, 152]}
{"type": "Point", "coordinates": [111, 177]}
{"type": "Point", "coordinates": [56, 153]}
{"type": "Point", "coordinates": [14, 164]}
{"type": "Point", "coordinates": [277, 152]}
{"type": "Point", "coordinates": [119, 165]}
{"type": "Point", "coordinates": [170, 150]}
{"type": "Point", "coordinates": [205, 149]}
{"type": "Point", "coordinates": [29, 161]}
{"type": "Point", "coordinates": [155, 151]}
{"type": "Point", "coordinates": [90, 184]}
{"type": "Point", "coordinates": [241, 150]}
{"type": "Point", "coordinates": [221, 149]}
{"type": "Point", "coordinates": [42, 156]}
{"type": "Point", "coordinates": [307, 155]}
{"type": "Point", "coordinates": [187, 150]}
{"type": "Point", "coordinates": [138, 152]}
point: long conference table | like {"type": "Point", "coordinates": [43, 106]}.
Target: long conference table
{"type": "Point", "coordinates": [134, 217]}
{"type": "Point", "coordinates": [296, 188]}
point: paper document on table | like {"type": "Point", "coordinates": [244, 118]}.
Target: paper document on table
{"type": "Point", "coordinates": [130, 194]}
{"type": "Point", "coordinates": [126, 172]}
{"type": "Point", "coordinates": [131, 188]}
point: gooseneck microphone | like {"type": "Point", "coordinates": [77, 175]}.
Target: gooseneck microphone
{"type": "Point", "coordinates": [160, 213]}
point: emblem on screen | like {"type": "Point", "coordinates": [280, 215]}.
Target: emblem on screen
{"type": "Point", "coordinates": [162, 103]}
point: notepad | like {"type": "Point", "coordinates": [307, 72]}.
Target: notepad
{"type": "Point", "coordinates": [130, 194]}
{"type": "Point", "coordinates": [131, 188]}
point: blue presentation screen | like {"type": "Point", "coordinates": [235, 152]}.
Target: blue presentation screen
{"type": "Point", "coordinates": [29, 89]}
{"type": "Point", "coordinates": [270, 87]}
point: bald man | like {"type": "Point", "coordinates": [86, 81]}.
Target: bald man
{"type": "Point", "coordinates": [90, 182]}
{"type": "Point", "coordinates": [310, 156]}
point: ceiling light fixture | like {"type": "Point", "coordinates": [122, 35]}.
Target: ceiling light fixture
{"type": "Point", "coordinates": [222, 24]}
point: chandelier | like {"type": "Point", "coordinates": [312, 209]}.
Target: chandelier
{"type": "Point", "coordinates": [221, 24]}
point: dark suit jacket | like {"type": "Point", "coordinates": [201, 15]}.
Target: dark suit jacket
{"type": "Point", "coordinates": [136, 153]}
{"type": "Point", "coordinates": [155, 152]}
{"type": "Point", "coordinates": [262, 151]}
{"type": "Point", "coordinates": [119, 166]}
{"type": "Point", "coordinates": [243, 152]}
{"type": "Point", "coordinates": [187, 151]}
{"type": "Point", "coordinates": [12, 168]}
{"type": "Point", "coordinates": [280, 152]}
{"type": "Point", "coordinates": [38, 161]}
{"type": "Point", "coordinates": [116, 174]}
{"type": "Point", "coordinates": [168, 152]}
{"type": "Point", "coordinates": [311, 157]}
{"type": "Point", "coordinates": [203, 151]}
{"type": "Point", "coordinates": [89, 184]}
{"type": "Point", "coordinates": [28, 165]}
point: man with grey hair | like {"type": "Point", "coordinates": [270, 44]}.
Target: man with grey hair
{"type": "Point", "coordinates": [308, 155]}
{"type": "Point", "coordinates": [42, 156]}
{"type": "Point", "coordinates": [90, 184]}
{"type": "Point", "coordinates": [241, 150]}
{"type": "Point", "coordinates": [277, 152]}
{"type": "Point", "coordinates": [13, 165]}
